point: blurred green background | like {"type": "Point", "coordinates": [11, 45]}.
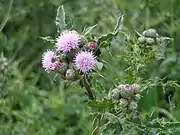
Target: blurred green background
{"type": "Point", "coordinates": [33, 102]}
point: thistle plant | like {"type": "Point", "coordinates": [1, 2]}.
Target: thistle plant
{"type": "Point", "coordinates": [76, 57]}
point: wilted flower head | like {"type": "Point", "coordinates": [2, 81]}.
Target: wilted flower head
{"type": "Point", "coordinates": [50, 61]}
{"type": "Point", "coordinates": [67, 40]}
{"type": "Point", "coordinates": [84, 61]}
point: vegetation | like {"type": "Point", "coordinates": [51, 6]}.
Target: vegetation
{"type": "Point", "coordinates": [34, 102]}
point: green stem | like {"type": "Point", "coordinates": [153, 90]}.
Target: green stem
{"type": "Point", "coordinates": [7, 16]}
{"type": "Point", "coordinates": [87, 86]}
{"type": "Point", "coordinates": [90, 94]}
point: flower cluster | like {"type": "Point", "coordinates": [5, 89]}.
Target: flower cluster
{"type": "Point", "coordinates": [70, 44]}
{"type": "Point", "coordinates": [126, 96]}
{"type": "Point", "coordinates": [150, 39]}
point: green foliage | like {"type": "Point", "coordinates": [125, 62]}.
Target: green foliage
{"type": "Point", "coordinates": [33, 102]}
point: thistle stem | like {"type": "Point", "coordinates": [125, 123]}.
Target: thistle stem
{"type": "Point", "coordinates": [90, 94]}
{"type": "Point", "coordinates": [87, 86]}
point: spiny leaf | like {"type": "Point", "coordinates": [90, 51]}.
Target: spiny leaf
{"type": "Point", "coordinates": [60, 18]}
{"type": "Point", "coordinates": [48, 38]}
{"type": "Point", "coordinates": [105, 40]}
{"type": "Point", "coordinates": [89, 29]}
{"type": "Point", "coordinates": [119, 24]}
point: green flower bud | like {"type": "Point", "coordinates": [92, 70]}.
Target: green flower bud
{"type": "Point", "coordinates": [114, 94]}
{"type": "Point", "coordinates": [142, 39]}
{"type": "Point", "coordinates": [136, 88]}
{"type": "Point", "coordinates": [150, 33]}
{"type": "Point", "coordinates": [123, 103]}
{"type": "Point", "coordinates": [132, 106]}
{"type": "Point", "coordinates": [126, 91]}
{"type": "Point", "coordinates": [137, 97]}
{"type": "Point", "coordinates": [150, 41]}
{"type": "Point", "coordinates": [70, 74]}
{"type": "Point", "coordinates": [63, 67]}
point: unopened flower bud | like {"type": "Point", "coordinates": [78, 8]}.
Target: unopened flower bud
{"type": "Point", "coordinates": [136, 88]}
{"type": "Point", "coordinates": [137, 97]}
{"type": "Point", "coordinates": [114, 94]}
{"type": "Point", "coordinates": [63, 67]}
{"type": "Point", "coordinates": [91, 45]}
{"type": "Point", "coordinates": [142, 39]}
{"type": "Point", "coordinates": [132, 106]}
{"type": "Point", "coordinates": [70, 74]}
{"type": "Point", "coordinates": [126, 91]}
{"type": "Point", "coordinates": [149, 33]}
{"type": "Point", "coordinates": [150, 41]}
{"type": "Point", "coordinates": [123, 103]}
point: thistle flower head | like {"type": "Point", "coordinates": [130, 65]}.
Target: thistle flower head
{"type": "Point", "coordinates": [126, 90]}
{"type": "Point", "coordinates": [84, 61]}
{"type": "Point", "coordinates": [50, 61]}
{"type": "Point", "coordinates": [92, 45]}
{"type": "Point", "coordinates": [67, 41]}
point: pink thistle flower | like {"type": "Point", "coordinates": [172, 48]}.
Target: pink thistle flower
{"type": "Point", "coordinates": [67, 41]}
{"type": "Point", "coordinates": [50, 61]}
{"type": "Point", "coordinates": [84, 61]}
{"type": "Point", "coordinates": [92, 45]}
